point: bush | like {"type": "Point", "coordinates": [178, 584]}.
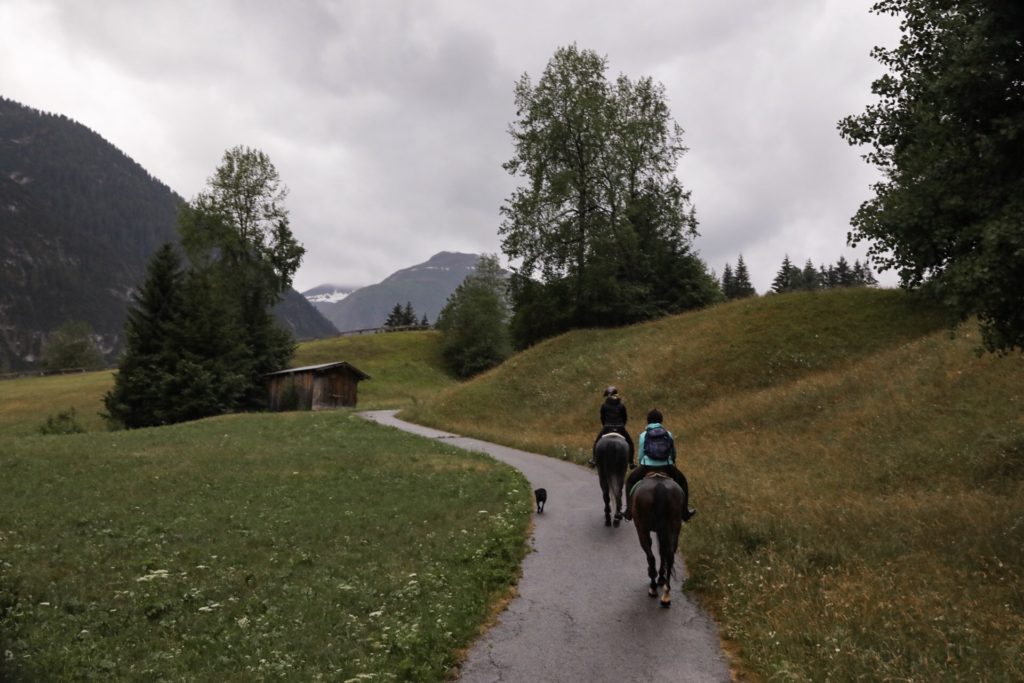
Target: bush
{"type": "Point", "coordinates": [63, 422]}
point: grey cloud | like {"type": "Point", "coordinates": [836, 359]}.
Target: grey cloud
{"type": "Point", "coordinates": [388, 120]}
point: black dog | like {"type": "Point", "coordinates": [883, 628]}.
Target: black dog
{"type": "Point", "coordinates": [542, 497]}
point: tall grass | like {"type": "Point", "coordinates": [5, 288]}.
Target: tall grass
{"type": "Point", "coordinates": [859, 474]}
{"type": "Point", "coordinates": [299, 546]}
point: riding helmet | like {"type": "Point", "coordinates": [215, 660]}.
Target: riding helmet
{"type": "Point", "coordinates": [611, 391]}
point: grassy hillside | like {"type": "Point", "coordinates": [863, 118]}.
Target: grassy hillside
{"type": "Point", "coordinates": [859, 474]}
{"type": "Point", "coordinates": [405, 368]}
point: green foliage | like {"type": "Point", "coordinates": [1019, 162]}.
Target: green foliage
{"type": "Point", "coordinates": [948, 135]}
{"type": "Point", "coordinates": [601, 228]}
{"type": "Point", "coordinates": [64, 422]}
{"type": "Point", "coordinates": [237, 236]}
{"type": "Point", "coordinates": [793, 279]}
{"type": "Point", "coordinates": [251, 547]}
{"type": "Point", "coordinates": [736, 285]}
{"type": "Point", "coordinates": [72, 346]}
{"type": "Point", "coordinates": [200, 342]}
{"type": "Point", "coordinates": [184, 357]}
{"type": "Point", "coordinates": [474, 321]}
{"type": "Point", "coordinates": [402, 316]}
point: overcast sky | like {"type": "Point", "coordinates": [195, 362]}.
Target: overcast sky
{"type": "Point", "coordinates": [388, 119]}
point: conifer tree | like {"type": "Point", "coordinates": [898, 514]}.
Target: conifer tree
{"type": "Point", "coordinates": [408, 315]}
{"type": "Point", "coordinates": [742, 285]}
{"type": "Point", "coordinates": [138, 398]}
{"type": "Point", "coordinates": [844, 275]}
{"type": "Point", "coordinates": [788, 278]}
{"type": "Point", "coordinates": [809, 278]}
{"type": "Point", "coordinates": [728, 283]}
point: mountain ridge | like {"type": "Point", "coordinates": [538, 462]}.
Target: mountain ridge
{"type": "Point", "coordinates": [79, 221]}
{"type": "Point", "coordinates": [425, 286]}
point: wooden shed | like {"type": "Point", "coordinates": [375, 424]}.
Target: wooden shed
{"type": "Point", "coordinates": [315, 387]}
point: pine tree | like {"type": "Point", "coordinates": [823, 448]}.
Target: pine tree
{"type": "Point", "coordinates": [788, 278]}
{"type": "Point", "coordinates": [828, 278]}
{"type": "Point", "coordinates": [809, 278]}
{"type": "Point", "coordinates": [408, 315]}
{"type": "Point", "coordinates": [742, 285]}
{"type": "Point", "coordinates": [138, 398]}
{"type": "Point", "coordinates": [844, 275]}
{"type": "Point", "coordinates": [728, 283]}
{"type": "Point", "coordinates": [395, 317]}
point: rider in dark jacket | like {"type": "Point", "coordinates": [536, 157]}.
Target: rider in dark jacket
{"type": "Point", "coordinates": [613, 419]}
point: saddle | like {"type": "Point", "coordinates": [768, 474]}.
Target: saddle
{"type": "Point", "coordinates": [615, 434]}
{"type": "Point", "coordinates": [656, 475]}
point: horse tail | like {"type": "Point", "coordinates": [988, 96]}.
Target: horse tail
{"type": "Point", "coordinates": [663, 516]}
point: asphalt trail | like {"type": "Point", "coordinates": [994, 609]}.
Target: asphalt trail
{"type": "Point", "coordinates": [582, 611]}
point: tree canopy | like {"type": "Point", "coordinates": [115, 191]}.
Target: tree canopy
{"type": "Point", "coordinates": [474, 321]}
{"type": "Point", "coordinates": [948, 134]}
{"type": "Point", "coordinates": [72, 346]}
{"type": "Point", "coordinates": [600, 230]}
{"type": "Point", "coordinates": [201, 337]}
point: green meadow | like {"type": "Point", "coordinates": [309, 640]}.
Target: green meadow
{"type": "Point", "coordinates": [858, 469]}
{"type": "Point", "coordinates": [292, 546]}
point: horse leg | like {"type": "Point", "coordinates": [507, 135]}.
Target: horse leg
{"type": "Point", "coordinates": [616, 487]}
{"type": "Point", "coordinates": [667, 547]}
{"type": "Point", "coordinates": [607, 502]}
{"type": "Point", "coordinates": [652, 571]}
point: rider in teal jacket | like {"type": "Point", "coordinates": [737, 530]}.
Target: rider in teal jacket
{"type": "Point", "coordinates": [649, 464]}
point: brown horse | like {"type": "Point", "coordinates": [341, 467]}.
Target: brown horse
{"type": "Point", "coordinates": [657, 507]}
{"type": "Point", "coordinates": [611, 455]}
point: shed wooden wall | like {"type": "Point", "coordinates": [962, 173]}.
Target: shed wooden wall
{"type": "Point", "coordinates": [335, 388]}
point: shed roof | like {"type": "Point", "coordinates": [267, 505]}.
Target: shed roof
{"type": "Point", "coordinates": [323, 367]}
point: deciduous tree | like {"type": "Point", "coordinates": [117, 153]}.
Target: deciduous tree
{"type": "Point", "coordinates": [72, 346]}
{"type": "Point", "coordinates": [236, 233]}
{"type": "Point", "coordinates": [474, 322]}
{"type": "Point", "coordinates": [599, 232]}
{"type": "Point", "coordinates": [947, 132]}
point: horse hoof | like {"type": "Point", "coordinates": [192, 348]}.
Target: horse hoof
{"type": "Point", "coordinates": [666, 603]}
{"type": "Point", "coordinates": [615, 524]}
{"type": "Point", "coordinates": [652, 592]}
{"type": "Point", "coordinates": [607, 522]}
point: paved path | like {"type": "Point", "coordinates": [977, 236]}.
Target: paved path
{"type": "Point", "coordinates": [582, 611]}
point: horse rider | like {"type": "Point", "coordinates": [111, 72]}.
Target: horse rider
{"type": "Point", "coordinates": [657, 454]}
{"type": "Point", "coordinates": [613, 419]}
